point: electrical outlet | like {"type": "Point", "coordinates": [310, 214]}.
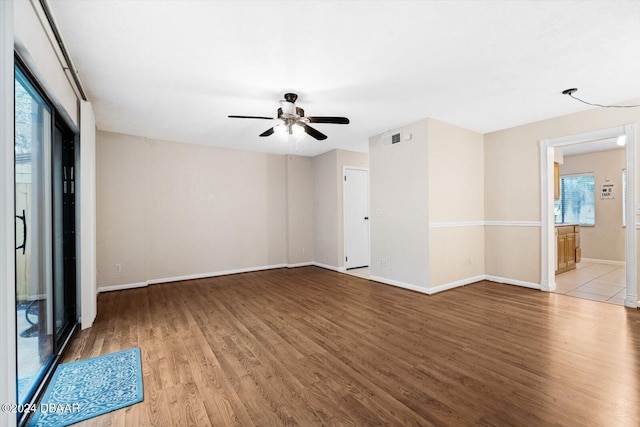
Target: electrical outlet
{"type": "Point", "coordinates": [378, 211]}
{"type": "Point", "coordinates": [117, 268]}
{"type": "Point", "coordinates": [304, 250]}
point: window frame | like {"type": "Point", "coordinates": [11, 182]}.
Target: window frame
{"type": "Point", "coordinates": [562, 195]}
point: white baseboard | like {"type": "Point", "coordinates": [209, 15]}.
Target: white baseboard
{"type": "Point", "coordinates": [512, 281]}
{"type": "Point", "coordinates": [603, 261]}
{"type": "Point", "coordinates": [189, 277]}
{"type": "Point", "coordinates": [329, 267]}
{"type": "Point", "coordinates": [300, 264]}
{"type": "Point", "coordinates": [215, 274]}
{"type": "Point", "coordinates": [122, 287]}
{"type": "Point", "coordinates": [429, 291]}
{"type": "Point", "coordinates": [457, 283]}
{"type": "Point", "coordinates": [400, 284]}
{"type": "Point", "coordinates": [631, 302]}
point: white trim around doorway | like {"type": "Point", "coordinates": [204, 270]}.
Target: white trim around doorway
{"type": "Point", "coordinates": [546, 183]}
{"type": "Point", "coordinates": [344, 240]}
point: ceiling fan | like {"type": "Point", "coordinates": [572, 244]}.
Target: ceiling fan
{"type": "Point", "coordinates": [290, 116]}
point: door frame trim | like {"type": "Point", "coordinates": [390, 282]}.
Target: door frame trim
{"type": "Point", "coordinates": [344, 198]}
{"type": "Point", "coordinates": [546, 186]}
{"type": "Point", "coordinates": [7, 212]}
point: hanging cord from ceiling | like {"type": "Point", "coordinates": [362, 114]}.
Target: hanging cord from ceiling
{"type": "Point", "coordinates": [571, 91]}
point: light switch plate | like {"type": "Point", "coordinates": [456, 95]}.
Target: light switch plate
{"type": "Point", "coordinates": [637, 209]}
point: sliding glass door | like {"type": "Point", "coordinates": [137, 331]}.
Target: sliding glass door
{"type": "Point", "coordinates": [34, 272]}
{"type": "Point", "coordinates": [45, 187]}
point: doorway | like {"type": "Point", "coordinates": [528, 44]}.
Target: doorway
{"type": "Point", "coordinates": [549, 239]}
{"type": "Point", "coordinates": [356, 218]}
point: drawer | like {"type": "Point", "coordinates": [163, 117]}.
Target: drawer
{"type": "Point", "coordinates": [568, 229]}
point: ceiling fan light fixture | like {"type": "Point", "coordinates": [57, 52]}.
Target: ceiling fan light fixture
{"type": "Point", "coordinates": [297, 129]}
{"type": "Point", "coordinates": [292, 120]}
{"type": "Point", "coordinates": [288, 108]}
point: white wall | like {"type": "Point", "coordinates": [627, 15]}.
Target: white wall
{"type": "Point", "coordinates": [399, 209]}
{"type": "Point", "coordinates": [87, 223]}
{"type": "Point", "coordinates": [167, 210]}
{"type": "Point", "coordinates": [36, 45]}
{"type": "Point", "coordinates": [7, 212]}
{"type": "Point", "coordinates": [606, 240]}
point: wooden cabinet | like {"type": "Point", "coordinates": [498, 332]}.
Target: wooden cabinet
{"type": "Point", "coordinates": [562, 253]}
{"type": "Point", "coordinates": [568, 247]}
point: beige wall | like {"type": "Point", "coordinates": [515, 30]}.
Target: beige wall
{"type": "Point", "coordinates": [399, 208]}
{"type": "Point", "coordinates": [299, 209]}
{"type": "Point", "coordinates": [607, 239]}
{"type": "Point", "coordinates": [512, 187]}
{"type": "Point", "coordinates": [170, 209]}
{"type": "Point", "coordinates": [455, 199]}
{"type": "Point", "coordinates": [430, 191]}
{"type": "Point", "coordinates": [328, 204]}
{"type": "Point", "coordinates": [325, 208]}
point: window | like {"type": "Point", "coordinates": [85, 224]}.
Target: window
{"type": "Point", "coordinates": [624, 197]}
{"type": "Point", "coordinates": [577, 200]}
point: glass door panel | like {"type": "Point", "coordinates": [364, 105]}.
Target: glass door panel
{"type": "Point", "coordinates": [34, 300]}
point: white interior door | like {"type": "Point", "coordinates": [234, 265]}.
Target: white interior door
{"type": "Point", "coordinates": [356, 218]}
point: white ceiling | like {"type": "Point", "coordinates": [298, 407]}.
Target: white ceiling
{"type": "Point", "coordinates": [174, 70]}
{"type": "Point", "coordinates": [591, 147]}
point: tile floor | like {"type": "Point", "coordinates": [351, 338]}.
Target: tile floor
{"type": "Point", "coordinates": [597, 282]}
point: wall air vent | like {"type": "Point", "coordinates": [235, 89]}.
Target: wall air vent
{"type": "Point", "coordinates": [391, 138]}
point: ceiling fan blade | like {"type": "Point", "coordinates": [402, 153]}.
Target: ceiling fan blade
{"type": "Point", "coordinates": [251, 117]}
{"type": "Point", "coordinates": [335, 120]}
{"type": "Point", "coordinates": [267, 132]}
{"type": "Point", "coordinates": [313, 132]}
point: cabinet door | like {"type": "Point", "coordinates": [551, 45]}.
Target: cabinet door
{"type": "Point", "coordinates": [570, 248]}
{"type": "Point", "coordinates": [562, 251]}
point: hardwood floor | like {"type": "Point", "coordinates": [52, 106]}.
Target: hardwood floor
{"type": "Point", "coordinates": [308, 346]}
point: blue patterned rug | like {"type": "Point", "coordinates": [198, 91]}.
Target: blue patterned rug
{"type": "Point", "coordinates": [88, 388]}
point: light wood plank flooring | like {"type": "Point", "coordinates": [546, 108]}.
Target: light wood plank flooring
{"type": "Point", "coordinates": [308, 347]}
